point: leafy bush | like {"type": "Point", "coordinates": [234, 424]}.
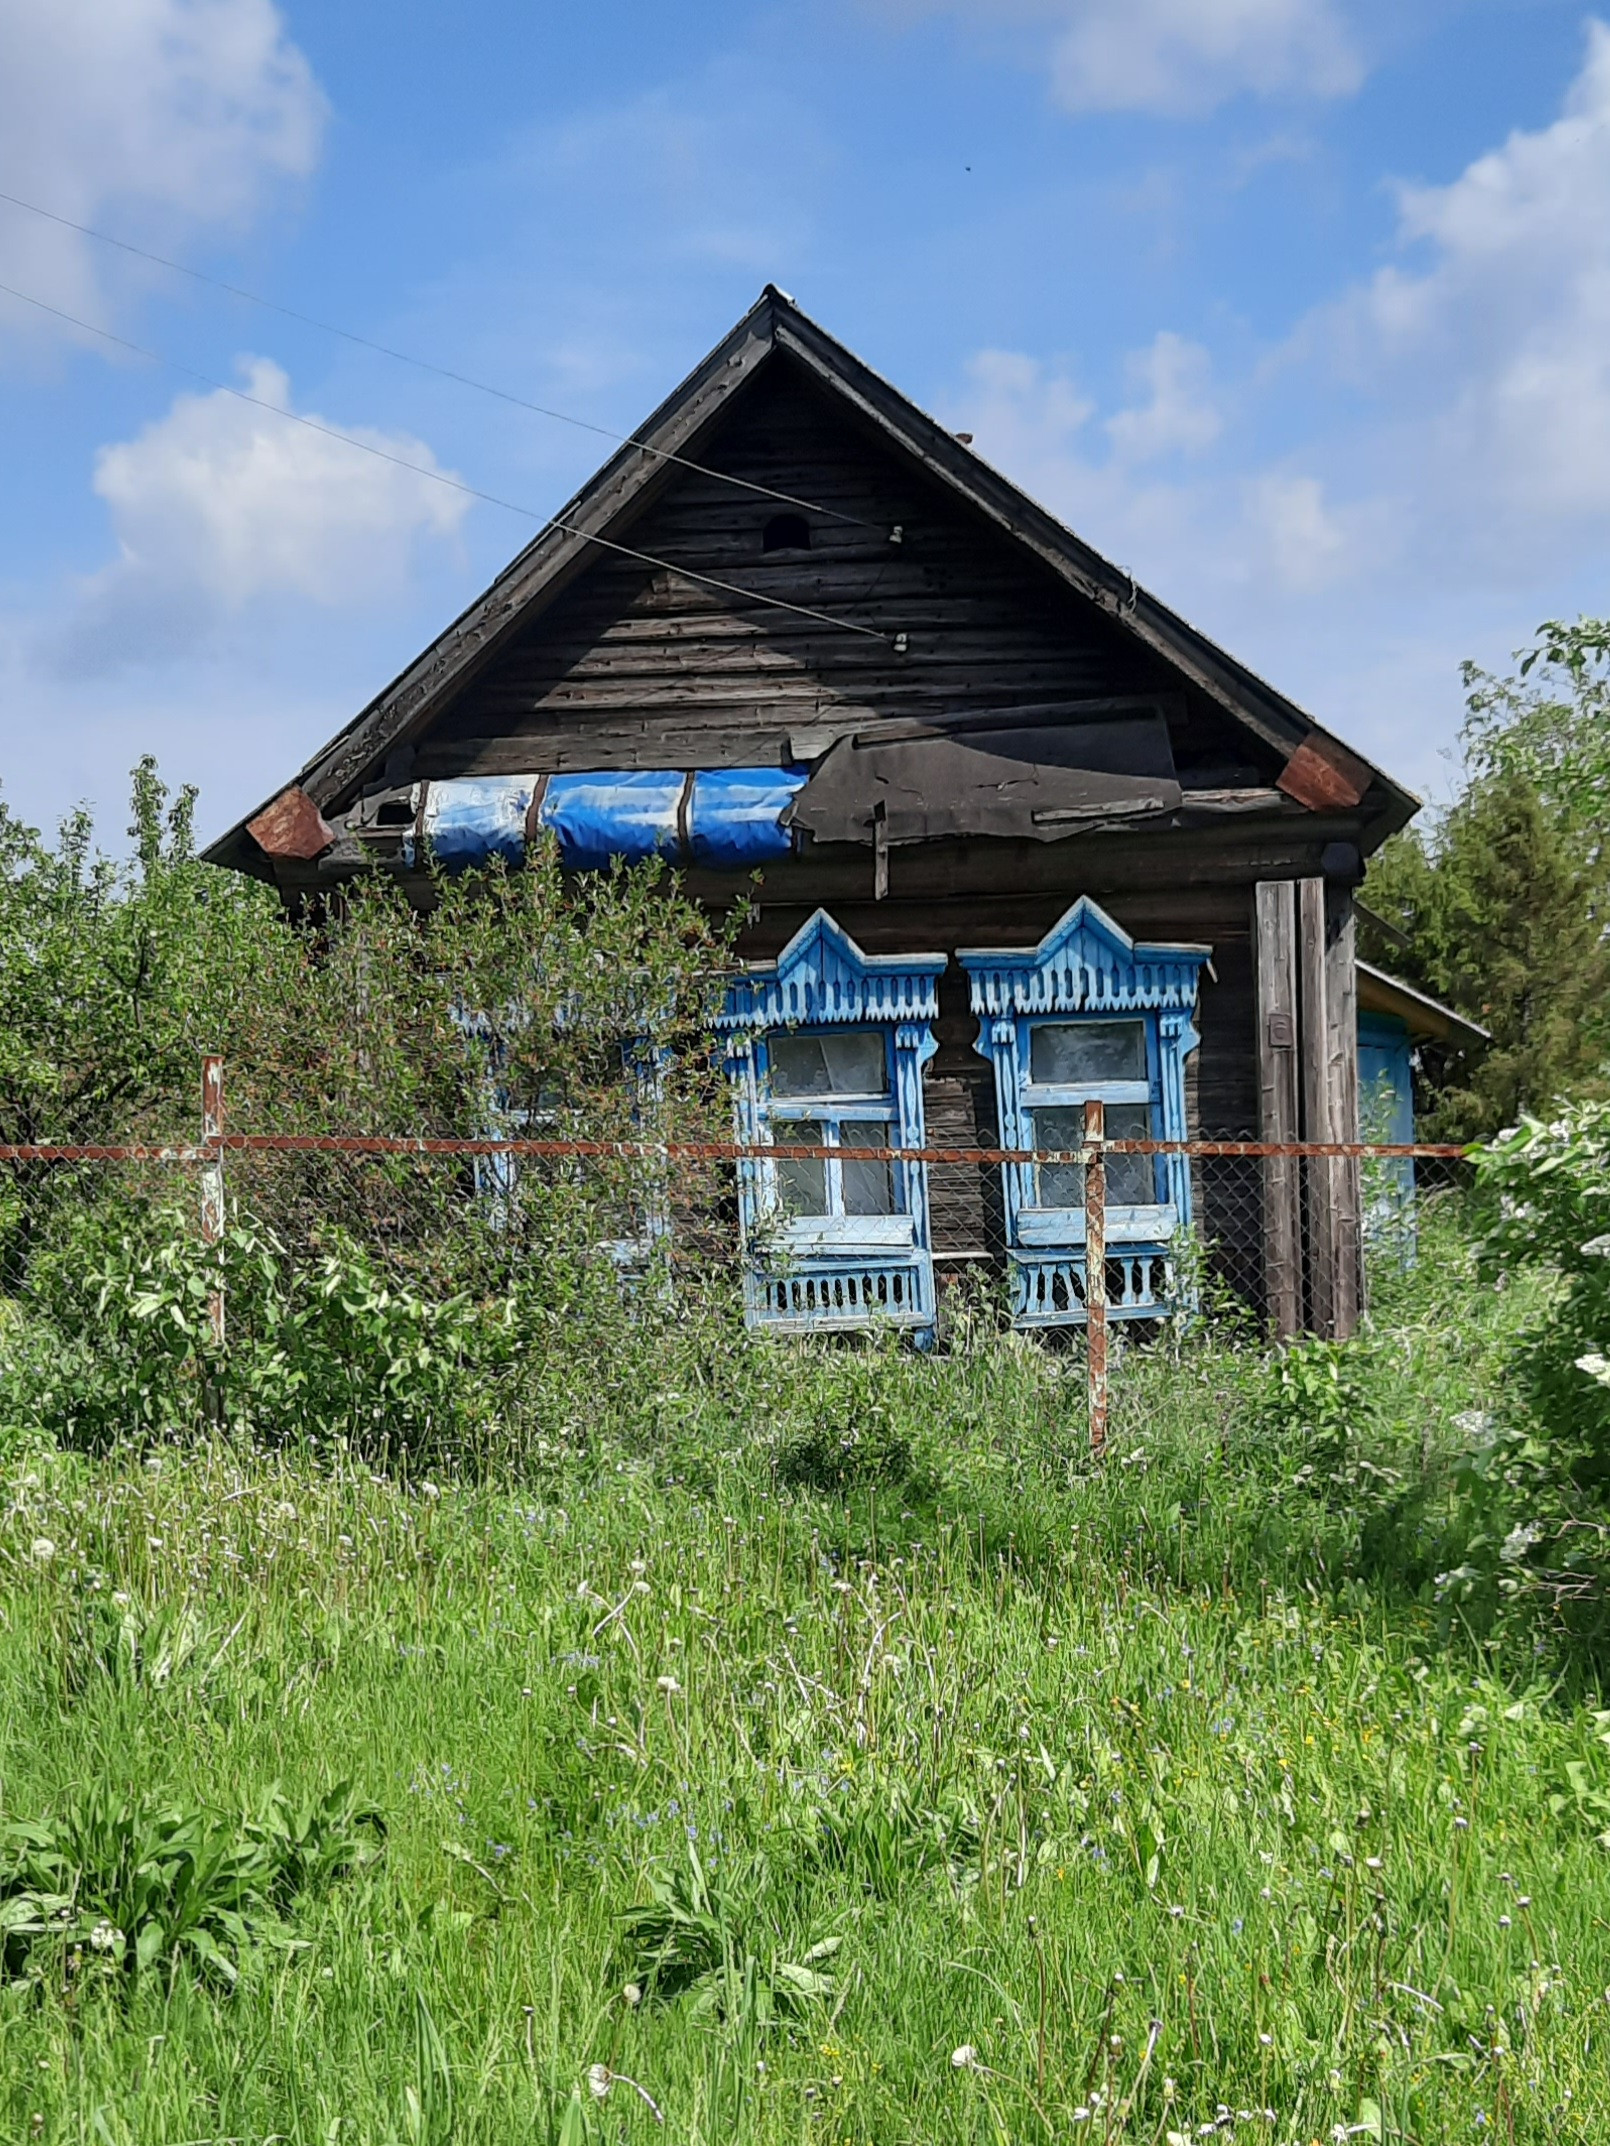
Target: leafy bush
{"type": "Point", "coordinates": [117, 1885]}
{"type": "Point", "coordinates": [114, 1339]}
{"type": "Point", "coordinates": [1542, 1478]}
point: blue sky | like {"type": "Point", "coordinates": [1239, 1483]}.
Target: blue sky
{"type": "Point", "coordinates": [1300, 309]}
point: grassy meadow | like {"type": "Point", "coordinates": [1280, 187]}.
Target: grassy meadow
{"type": "Point", "coordinates": [811, 1745]}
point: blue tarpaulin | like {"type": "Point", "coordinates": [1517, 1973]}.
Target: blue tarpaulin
{"type": "Point", "coordinates": [735, 811]}
{"type": "Point", "coordinates": [629, 813]}
{"type": "Point", "coordinates": [475, 819]}
{"type": "Point", "coordinates": [726, 819]}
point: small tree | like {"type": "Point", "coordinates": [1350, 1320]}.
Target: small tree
{"type": "Point", "coordinates": [1500, 907]}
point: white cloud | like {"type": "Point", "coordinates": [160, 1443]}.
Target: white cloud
{"type": "Point", "coordinates": [1179, 415]}
{"type": "Point", "coordinates": [219, 505]}
{"type": "Point", "coordinates": [157, 116]}
{"type": "Point", "coordinates": [1176, 57]}
{"type": "Point", "coordinates": [1497, 347]}
{"type": "Point", "coordinates": [1187, 56]}
{"type": "Point", "coordinates": [1296, 536]}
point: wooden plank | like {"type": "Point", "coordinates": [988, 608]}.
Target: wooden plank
{"type": "Point", "coordinates": [1314, 1044]}
{"type": "Point", "coordinates": [1275, 939]}
{"type": "Point", "coordinates": [1324, 775]}
{"type": "Point", "coordinates": [1341, 1073]}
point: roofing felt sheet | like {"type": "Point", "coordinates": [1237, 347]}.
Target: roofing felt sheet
{"type": "Point", "coordinates": [1044, 783]}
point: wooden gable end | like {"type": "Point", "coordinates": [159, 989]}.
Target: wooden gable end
{"type": "Point", "coordinates": [643, 666]}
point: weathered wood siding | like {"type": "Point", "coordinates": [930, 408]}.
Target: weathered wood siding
{"type": "Point", "coordinates": [634, 665]}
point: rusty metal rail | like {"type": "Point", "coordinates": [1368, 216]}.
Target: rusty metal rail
{"type": "Point", "coordinates": [208, 1155]}
{"type": "Point", "coordinates": [209, 1148]}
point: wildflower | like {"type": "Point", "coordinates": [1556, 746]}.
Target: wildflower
{"type": "Point", "coordinates": [965, 2058]}
{"type": "Point", "coordinates": [1176, 1913]}
{"type": "Point", "coordinates": [599, 2081]}
{"type": "Point", "coordinates": [1503, 1922]}
{"type": "Point", "coordinates": [633, 1995]}
{"type": "Point", "coordinates": [1372, 1862]}
{"type": "Point", "coordinates": [44, 1550]}
{"type": "Point", "coordinates": [669, 1686]}
{"type": "Point", "coordinates": [104, 1937]}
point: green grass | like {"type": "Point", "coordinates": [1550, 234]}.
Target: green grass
{"type": "Point", "coordinates": [1143, 1786]}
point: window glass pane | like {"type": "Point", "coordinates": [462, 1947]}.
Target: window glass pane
{"type": "Point", "coordinates": [825, 1061]}
{"type": "Point", "coordinates": [1061, 1184]}
{"type": "Point", "coordinates": [1079, 1054]}
{"type": "Point", "coordinates": [802, 1184]}
{"type": "Point", "coordinates": [1131, 1179]}
{"type": "Point", "coordinates": [868, 1186]}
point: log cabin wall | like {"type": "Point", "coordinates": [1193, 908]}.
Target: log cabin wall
{"type": "Point", "coordinates": [633, 666]}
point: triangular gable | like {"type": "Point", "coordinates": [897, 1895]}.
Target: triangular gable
{"type": "Point", "coordinates": [1320, 768]}
{"type": "Point", "coordinates": [822, 976]}
{"type": "Point", "coordinates": [1086, 963]}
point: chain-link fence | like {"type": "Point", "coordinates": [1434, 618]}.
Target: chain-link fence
{"type": "Point", "coordinates": [1280, 1239]}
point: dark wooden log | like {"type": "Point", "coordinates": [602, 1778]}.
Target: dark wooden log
{"type": "Point", "coordinates": [1277, 1029]}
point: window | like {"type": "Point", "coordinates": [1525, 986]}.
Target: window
{"type": "Point", "coordinates": [786, 532]}
{"type": "Point", "coordinates": [1089, 1015]}
{"type": "Point", "coordinates": [831, 1089]}
{"type": "Point", "coordinates": [1075, 1062]}
{"type": "Point", "coordinates": [825, 1049]}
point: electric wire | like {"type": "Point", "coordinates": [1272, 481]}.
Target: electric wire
{"type": "Point", "coordinates": [425, 365]}
{"type": "Point", "coordinates": [437, 476]}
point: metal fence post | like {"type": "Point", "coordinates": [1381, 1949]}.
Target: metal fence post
{"type": "Point", "coordinates": [212, 1179]}
{"type": "Point", "coordinates": [1095, 1141]}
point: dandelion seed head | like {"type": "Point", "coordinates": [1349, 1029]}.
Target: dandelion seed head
{"type": "Point", "coordinates": [43, 1550]}
{"type": "Point", "coordinates": [964, 2057]}
{"type": "Point", "coordinates": [599, 2081]}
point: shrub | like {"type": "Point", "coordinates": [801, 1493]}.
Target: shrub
{"type": "Point", "coordinates": [1542, 1479]}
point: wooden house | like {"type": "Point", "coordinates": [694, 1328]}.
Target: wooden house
{"type": "Point", "coordinates": [1026, 838]}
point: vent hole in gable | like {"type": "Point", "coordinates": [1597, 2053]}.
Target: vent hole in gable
{"type": "Point", "coordinates": [786, 532]}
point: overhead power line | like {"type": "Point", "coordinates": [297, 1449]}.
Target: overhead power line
{"type": "Point", "coordinates": [437, 476]}
{"type": "Point", "coordinates": [425, 365]}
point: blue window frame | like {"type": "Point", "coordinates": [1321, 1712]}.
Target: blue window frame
{"type": "Point", "coordinates": [1089, 1015]}
{"type": "Point", "coordinates": [825, 1049]}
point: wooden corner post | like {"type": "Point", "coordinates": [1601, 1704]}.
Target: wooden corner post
{"type": "Point", "coordinates": [212, 1178]}
{"type": "Point", "coordinates": [1095, 1146]}
{"type": "Point", "coordinates": [1329, 992]}
{"type": "Point", "coordinates": [1275, 940]}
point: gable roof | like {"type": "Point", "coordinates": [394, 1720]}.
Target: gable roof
{"type": "Point", "coordinates": [643, 466]}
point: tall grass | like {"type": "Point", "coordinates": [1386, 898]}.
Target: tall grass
{"type": "Point", "coordinates": [1140, 1803]}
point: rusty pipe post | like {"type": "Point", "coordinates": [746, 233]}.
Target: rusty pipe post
{"type": "Point", "coordinates": [212, 1179]}
{"type": "Point", "coordinates": [1095, 1142]}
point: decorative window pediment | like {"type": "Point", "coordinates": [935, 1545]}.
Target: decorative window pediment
{"type": "Point", "coordinates": [1088, 1015]}
{"type": "Point", "coordinates": [825, 1050]}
